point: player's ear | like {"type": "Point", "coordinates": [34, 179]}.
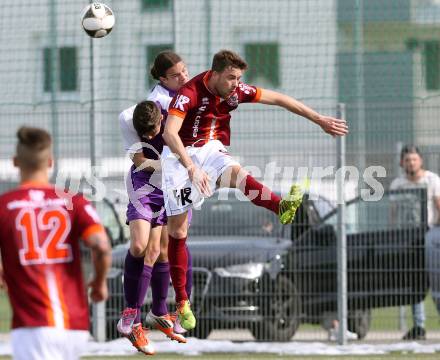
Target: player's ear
{"type": "Point", "coordinates": [162, 79]}
{"type": "Point", "coordinates": [50, 162]}
{"type": "Point", "coordinates": [15, 161]}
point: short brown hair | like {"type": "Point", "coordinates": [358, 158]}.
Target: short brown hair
{"type": "Point", "coordinates": [164, 61]}
{"type": "Point", "coordinates": [409, 149]}
{"type": "Point", "coordinates": [145, 117]}
{"type": "Point", "coordinates": [226, 58]}
{"type": "Point", "coordinates": [34, 147]}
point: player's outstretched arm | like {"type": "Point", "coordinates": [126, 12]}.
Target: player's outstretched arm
{"type": "Point", "coordinates": [101, 259]}
{"type": "Point", "coordinates": [331, 125]}
{"type": "Point", "coordinates": [172, 139]}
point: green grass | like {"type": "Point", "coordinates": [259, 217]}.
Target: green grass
{"type": "Point", "coordinates": [5, 313]}
{"type": "Point", "coordinates": [280, 357]}
{"type": "Point", "coordinates": [394, 356]}
{"type": "Point", "coordinates": [387, 319]}
{"type": "Point", "coordinates": [384, 319]}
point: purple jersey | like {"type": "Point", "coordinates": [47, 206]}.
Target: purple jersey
{"type": "Point", "coordinates": [162, 96]}
{"type": "Point", "coordinates": [143, 187]}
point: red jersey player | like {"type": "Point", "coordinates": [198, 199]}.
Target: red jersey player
{"type": "Point", "coordinates": [40, 252]}
{"type": "Point", "coordinates": [196, 162]}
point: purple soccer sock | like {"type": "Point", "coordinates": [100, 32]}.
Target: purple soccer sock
{"type": "Point", "coordinates": [160, 282]}
{"type": "Point", "coordinates": [189, 274]}
{"type": "Point", "coordinates": [137, 278]}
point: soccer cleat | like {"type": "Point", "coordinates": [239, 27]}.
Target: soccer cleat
{"type": "Point", "coordinates": [139, 340]}
{"type": "Point", "coordinates": [290, 204]}
{"type": "Point", "coordinates": [125, 323]}
{"type": "Point", "coordinates": [333, 335]}
{"type": "Point", "coordinates": [178, 329]}
{"type": "Point", "coordinates": [164, 324]}
{"type": "Point", "coordinates": [185, 315]}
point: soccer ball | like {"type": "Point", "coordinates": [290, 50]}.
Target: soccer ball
{"type": "Point", "coordinates": [97, 20]}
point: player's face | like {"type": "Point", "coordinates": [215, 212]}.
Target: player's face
{"type": "Point", "coordinates": [412, 163]}
{"type": "Point", "coordinates": [175, 76]}
{"type": "Point", "coordinates": [227, 81]}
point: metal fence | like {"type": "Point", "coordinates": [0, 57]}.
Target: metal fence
{"type": "Point", "coordinates": [380, 58]}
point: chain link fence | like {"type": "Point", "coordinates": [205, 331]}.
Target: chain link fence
{"type": "Point", "coordinates": [380, 58]}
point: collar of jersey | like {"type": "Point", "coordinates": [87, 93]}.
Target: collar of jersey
{"type": "Point", "coordinates": [28, 184]}
{"type": "Point", "coordinates": [206, 77]}
{"type": "Point", "coordinates": [166, 88]}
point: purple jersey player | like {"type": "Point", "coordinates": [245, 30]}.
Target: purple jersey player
{"type": "Point", "coordinates": [147, 260]}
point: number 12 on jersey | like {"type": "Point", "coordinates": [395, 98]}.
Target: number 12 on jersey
{"type": "Point", "coordinates": [52, 224]}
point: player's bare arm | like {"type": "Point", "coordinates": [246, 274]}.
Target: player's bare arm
{"type": "Point", "coordinates": [101, 259]}
{"type": "Point", "coordinates": [172, 139]}
{"type": "Point", "coordinates": [143, 163]}
{"type": "Point", "coordinates": [330, 125]}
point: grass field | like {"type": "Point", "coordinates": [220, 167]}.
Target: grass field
{"type": "Point", "coordinates": [269, 356]}
{"type": "Point", "coordinates": [382, 319]}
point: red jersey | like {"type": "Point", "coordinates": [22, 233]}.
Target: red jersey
{"type": "Point", "coordinates": [39, 234]}
{"type": "Point", "coordinates": [207, 116]}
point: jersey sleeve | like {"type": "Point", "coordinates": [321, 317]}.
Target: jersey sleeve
{"type": "Point", "coordinates": [394, 184]}
{"type": "Point", "coordinates": [182, 103]}
{"type": "Point", "coordinates": [436, 186]}
{"type": "Point", "coordinates": [130, 138]}
{"type": "Point", "coordinates": [162, 101]}
{"type": "Point", "coordinates": [248, 93]}
{"type": "Point", "coordinates": [86, 219]}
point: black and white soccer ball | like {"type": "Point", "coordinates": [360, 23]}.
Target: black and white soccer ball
{"type": "Point", "coordinates": [97, 20]}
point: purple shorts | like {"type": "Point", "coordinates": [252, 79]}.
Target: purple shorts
{"type": "Point", "coordinates": [145, 200]}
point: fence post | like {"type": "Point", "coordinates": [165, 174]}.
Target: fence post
{"type": "Point", "coordinates": [341, 235]}
{"type": "Point", "coordinates": [98, 309]}
{"type": "Point", "coordinates": [54, 75]}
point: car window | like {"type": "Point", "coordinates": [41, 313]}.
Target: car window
{"type": "Point", "coordinates": [235, 216]}
{"type": "Point", "coordinates": [323, 206]}
{"type": "Point", "coordinates": [396, 210]}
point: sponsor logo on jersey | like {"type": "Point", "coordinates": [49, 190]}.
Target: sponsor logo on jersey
{"type": "Point", "coordinates": [180, 102]}
{"type": "Point", "coordinates": [233, 100]}
{"type": "Point", "coordinates": [196, 125]}
{"type": "Point", "coordinates": [200, 110]}
{"type": "Point", "coordinates": [36, 195]}
{"type": "Point", "coordinates": [246, 88]}
{"type": "Point", "coordinates": [182, 196]}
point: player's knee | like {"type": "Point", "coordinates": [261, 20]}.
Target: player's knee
{"type": "Point", "coordinates": [137, 248]}
{"type": "Point", "coordinates": [179, 233]}
{"type": "Point", "coordinates": [152, 255]}
{"type": "Point", "coordinates": [163, 256]}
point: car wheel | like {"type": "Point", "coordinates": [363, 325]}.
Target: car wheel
{"type": "Point", "coordinates": [281, 312]}
{"type": "Point", "coordinates": [359, 322]}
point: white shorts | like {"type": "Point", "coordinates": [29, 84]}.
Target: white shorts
{"type": "Point", "coordinates": [179, 193]}
{"type": "Point", "coordinates": [48, 343]}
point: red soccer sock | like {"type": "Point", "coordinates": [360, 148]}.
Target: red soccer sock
{"type": "Point", "coordinates": [178, 259]}
{"type": "Point", "coordinates": [260, 194]}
